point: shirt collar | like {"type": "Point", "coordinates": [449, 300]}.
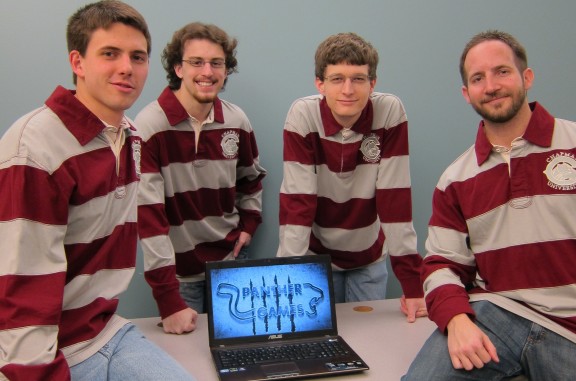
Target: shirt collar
{"type": "Point", "coordinates": [331, 127]}
{"type": "Point", "coordinates": [176, 113]}
{"type": "Point", "coordinates": [539, 132]}
{"type": "Point", "coordinates": [124, 124]}
{"type": "Point", "coordinates": [80, 121]}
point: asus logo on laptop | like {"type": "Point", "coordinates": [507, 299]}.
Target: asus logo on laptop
{"type": "Point", "coordinates": [274, 337]}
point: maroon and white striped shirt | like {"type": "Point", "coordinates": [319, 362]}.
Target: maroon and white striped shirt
{"type": "Point", "coordinates": [193, 204]}
{"type": "Point", "coordinates": [509, 230]}
{"type": "Point", "coordinates": [348, 193]}
{"type": "Point", "coordinates": [68, 237]}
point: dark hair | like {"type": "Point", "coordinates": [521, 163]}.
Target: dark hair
{"type": "Point", "coordinates": [520, 56]}
{"type": "Point", "coordinates": [102, 14]}
{"type": "Point", "coordinates": [348, 48]}
{"type": "Point", "coordinates": [172, 54]}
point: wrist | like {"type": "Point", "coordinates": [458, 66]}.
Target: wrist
{"type": "Point", "coordinates": [455, 320]}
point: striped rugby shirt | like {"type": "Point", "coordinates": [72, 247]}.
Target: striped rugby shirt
{"type": "Point", "coordinates": [68, 237]}
{"type": "Point", "coordinates": [508, 230]}
{"type": "Point", "coordinates": [348, 193]}
{"type": "Point", "coordinates": [193, 205]}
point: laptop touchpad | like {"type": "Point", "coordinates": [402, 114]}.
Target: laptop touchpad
{"type": "Point", "coordinates": [280, 369]}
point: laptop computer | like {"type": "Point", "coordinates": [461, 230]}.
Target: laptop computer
{"type": "Point", "coordinates": [275, 318]}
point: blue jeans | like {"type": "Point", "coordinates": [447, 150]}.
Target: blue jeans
{"type": "Point", "coordinates": [523, 347]}
{"type": "Point", "coordinates": [194, 295]}
{"type": "Point", "coordinates": [129, 356]}
{"type": "Point", "coordinates": [362, 284]}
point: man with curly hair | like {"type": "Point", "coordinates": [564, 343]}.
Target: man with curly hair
{"type": "Point", "coordinates": [201, 190]}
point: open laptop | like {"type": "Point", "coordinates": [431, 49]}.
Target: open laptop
{"type": "Point", "coordinates": [280, 306]}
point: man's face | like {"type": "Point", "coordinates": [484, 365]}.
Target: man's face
{"type": "Point", "coordinates": [347, 89]}
{"type": "Point", "coordinates": [112, 72]}
{"type": "Point", "coordinates": [202, 72]}
{"type": "Point", "coordinates": [496, 89]}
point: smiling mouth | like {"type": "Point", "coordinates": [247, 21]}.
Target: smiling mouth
{"type": "Point", "coordinates": [494, 99]}
{"type": "Point", "coordinates": [124, 85]}
{"type": "Point", "coordinates": [204, 83]}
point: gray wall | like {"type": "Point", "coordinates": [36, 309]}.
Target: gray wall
{"type": "Point", "coordinates": [419, 41]}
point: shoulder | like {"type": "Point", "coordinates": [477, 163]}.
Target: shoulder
{"type": "Point", "coordinates": [306, 108]}
{"type": "Point", "coordinates": [234, 115]}
{"type": "Point", "coordinates": [37, 125]}
{"type": "Point", "coordinates": [151, 110]}
{"type": "Point", "coordinates": [565, 130]}
{"type": "Point", "coordinates": [309, 104]}
{"type": "Point", "coordinates": [304, 115]}
{"type": "Point", "coordinates": [38, 138]}
{"type": "Point", "coordinates": [151, 120]}
{"type": "Point", "coordinates": [232, 109]}
{"type": "Point", "coordinates": [463, 168]}
{"type": "Point", "coordinates": [387, 102]}
{"type": "Point", "coordinates": [388, 109]}
{"type": "Point", "coordinates": [378, 98]}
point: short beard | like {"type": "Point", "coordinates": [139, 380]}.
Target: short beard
{"type": "Point", "coordinates": [507, 115]}
{"type": "Point", "coordinates": [205, 100]}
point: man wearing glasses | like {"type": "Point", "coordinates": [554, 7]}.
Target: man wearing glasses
{"type": "Point", "coordinates": [201, 194]}
{"type": "Point", "coordinates": [346, 188]}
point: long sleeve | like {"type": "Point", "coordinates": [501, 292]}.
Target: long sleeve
{"type": "Point", "coordinates": [153, 228]}
{"type": "Point", "coordinates": [67, 237]}
{"type": "Point", "coordinates": [449, 265]}
{"type": "Point", "coordinates": [33, 268]}
{"type": "Point", "coordinates": [347, 193]}
{"type": "Point", "coordinates": [197, 192]}
{"type": "Point", "coordinates": [501, 229]}
{"type": "Point", "coordinates": [298, 193]}
{"type": "Point", "coordinates": [249, 175]}
{"type": "Point", "coordinates": [394, 203]}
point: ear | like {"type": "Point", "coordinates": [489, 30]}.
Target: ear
{"type": "Point", "coordinates": [528, 77]}
{"type": "Point", "coordinates": [372, 85]}
{"type": "Point", "coordinates": [76, 63]}
{"type": "Point", "coordinates": [319, 85]}
{"type": "Point", "coordinates": [465, 94]}
{"type": "Point", "coordinates": [178, 70]}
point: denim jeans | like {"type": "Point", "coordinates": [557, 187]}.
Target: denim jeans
{"type": "Point", "coordinates": [194, 295]}
{"type": "Point", "coordinates": [362, 284]}
{"type": "Point", "coordinates": [523, 347]}
{"type": "Point", "coordinates": [129, 356]}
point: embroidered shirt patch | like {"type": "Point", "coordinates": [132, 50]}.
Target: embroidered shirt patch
{"type": "Point", "coordinates": [230, 142]}
{"type": "Point", "coordinates": [370, 148]}
{"type": "Point", "coordinates": [561, 171]}
{"type": "Point", "coordinates": [136, 155]}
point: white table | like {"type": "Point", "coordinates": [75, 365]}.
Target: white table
{"type": "Point", "coordinates": [382, 337]}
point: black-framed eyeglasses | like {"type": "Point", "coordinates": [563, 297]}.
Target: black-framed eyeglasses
{"type": "Point", "coordinates": [199, 62]}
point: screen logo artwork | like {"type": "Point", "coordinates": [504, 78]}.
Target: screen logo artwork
{"type": "Point", "coordinates": [284, 299]}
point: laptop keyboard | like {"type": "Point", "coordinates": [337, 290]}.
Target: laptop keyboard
{"type": "Point", "coordinates": [286, 352]}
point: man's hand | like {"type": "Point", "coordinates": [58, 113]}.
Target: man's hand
{"type": "Point", "coordinates": [468, 346]}
{"type": "Point", "coordinates": [243, 240]}
{"type": "Point", "coordinates": [413, 308]}
{"type": "Point", "coordinates": [180, 322]}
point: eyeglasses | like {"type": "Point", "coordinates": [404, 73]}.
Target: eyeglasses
{"type": "Point", "coordinates": [338, 79]}
{"type": "Point", "coordinates": [199, 62]}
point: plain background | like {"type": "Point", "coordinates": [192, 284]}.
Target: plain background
{"type": "Point", "coordinates": [419, 41]}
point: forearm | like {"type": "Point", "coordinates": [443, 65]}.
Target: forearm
{"type": "Point", "coordinates": [34, 263]}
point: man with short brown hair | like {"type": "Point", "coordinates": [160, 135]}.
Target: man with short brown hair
{"type": "Point", "coordinates": [69, 175]}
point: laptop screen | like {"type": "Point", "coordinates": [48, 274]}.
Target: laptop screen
{"type": "Point", "coordinates": [270, 298]}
